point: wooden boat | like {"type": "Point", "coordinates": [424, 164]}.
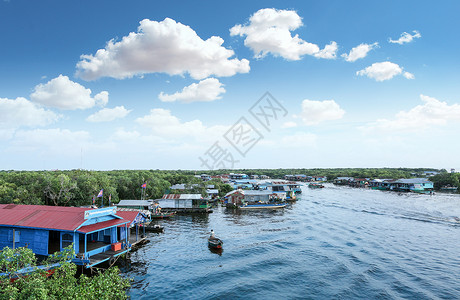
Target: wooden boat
{"type": "Point", "coordinates": [154, 228]}
{"type": "Point", "coordinates": [162, 215]}
{"type": "Point", "coordinates": [215, 243]}
{"type": "Point", "coordinates": [262, 205]}
{"type": "Point", "coordinates": [316, 186]}
{"type": "Point", "coordinates": [449, 188]}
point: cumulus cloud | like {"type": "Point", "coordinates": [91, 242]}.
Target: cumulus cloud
{"type": "Point", "coordinates": [384, 71]}
{"type": "Point", "coordinates": [432, 112]}
{"type": "Point", "coordinates": [408, 75]}
{"type": "Point", "coordinates": [167, 47]}
{"type": "Point", "coordinates": [207, 90]}
{"type": "Point", "coordinates": [406, 38]}
{"type": "Point", "coordinates": [22, 112]}
{"type": "Point", "coordinates": [163, 124]}
{"type": "Point", "coordinates": [359, 51]}
{"type": "Point", "coordinates": [109, 114]}
{"type": "Point", "coordinates": [315, 112]}
{"type": "Point", "coordinates": [269, 31]}
{"type": "Point", "coordinates": [65, 94]}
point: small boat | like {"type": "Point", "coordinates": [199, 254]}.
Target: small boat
{"type": "Point", "coordinates": [449, 188]}
{"type": "Point", "coordinates": [316, 186]}
{"type": "Point", "coordinates": [154, 228]}
{"type": "Point", "coordinates": [162, 215]}
{"type": "Point", "coordinates": [262, 205]}
{"type": "Point", "coordinates": [215, 243]}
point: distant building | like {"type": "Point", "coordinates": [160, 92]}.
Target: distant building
{"type": "Point", "coordinates": [233, 176]}
{"type": "Point", "coordinates": [184, 203]}
{"type": "Point", "coordinates": [452, 170]}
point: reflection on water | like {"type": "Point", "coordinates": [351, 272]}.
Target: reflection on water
{"type": "Point", "coordinates": [336, 242]}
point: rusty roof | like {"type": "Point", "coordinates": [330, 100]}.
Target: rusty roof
{"type": "Point", "coordinates": [42, 216]}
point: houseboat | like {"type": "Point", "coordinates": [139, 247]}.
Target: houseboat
{"type": "Point", "coordinates": [94, 233]}
{"type": "Point", "coordinates": [416, 185]}
{"type": "Point", "coordinates": [289, 188]}
{"type": "Point", "coordinates": [251, 199]}
{"type": "Point", "coordinates": [184, 203]}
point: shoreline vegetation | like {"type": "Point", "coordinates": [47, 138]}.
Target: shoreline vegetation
{"type": "Point", "coordinates": [78, 187]}
{"type": "Point", "coordinates": [20, 278]}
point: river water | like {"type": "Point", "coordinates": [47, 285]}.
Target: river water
{"type": "Point", "coordinates": [333, 243]}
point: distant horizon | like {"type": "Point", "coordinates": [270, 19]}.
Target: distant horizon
{"type": "Point", "coordinates": [203, 171]}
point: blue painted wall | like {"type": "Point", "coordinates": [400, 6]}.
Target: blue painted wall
{"type": "Point", "coordinates": [35, 239]}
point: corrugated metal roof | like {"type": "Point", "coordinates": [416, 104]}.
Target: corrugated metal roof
{"type": "Point", "coordinates": [413, 180]}
{"type": "Point", "coordinates": [134, 203]}
{"type": "Point", "coordinates": [102, 225]}
{"type": "Point", "coordinates": [49, 217]}
{"type": "Point", "coordinates": [40, 216]}
{"type": "Point", "coordinates": [182, 196]}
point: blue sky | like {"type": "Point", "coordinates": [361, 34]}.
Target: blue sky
{"type": "Point", "coordinates": [107, 85]}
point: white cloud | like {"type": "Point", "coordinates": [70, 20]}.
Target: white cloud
{"type": "Point", "coordinates": [269, 31]}
{"type": "Point", "coordinates": [289, 124]}
{"type": "Point", "coordinates": [168, 47]}
{"type": "Point", "coordinates": [22, 112]}
{"type": "Point", "coordinates": [432, 112]}
{"type": "Point", "coordinates": [384, 71]}
{"type": "Point", "coordinates": [163, 124]}
{"type": "Point", "coordinates": [408, 75]}
{"type": "Point", "coordinates": [359, 51]}
{"type": "Point", "coordinates": [65, 94]}
{"type": "Point", "coordinates": [109, 114]}
{"type": "Point", "coordinates": [406, 38]}
{"type": "Point", "coordinates": [329, 51]}
{"type": "Point", "coordinates": [207, 90]}
{"type": "Point", "coordinates": [315, 112]}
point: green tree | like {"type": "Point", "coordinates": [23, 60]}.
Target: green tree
{"type": "Point", "coordinates": [63, 284]}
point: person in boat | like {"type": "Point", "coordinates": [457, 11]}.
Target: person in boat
{"type": "Point", "coordinates": [212, 236]}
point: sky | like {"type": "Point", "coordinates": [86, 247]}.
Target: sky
{"type": "Point", "coordinates": [198, 85]}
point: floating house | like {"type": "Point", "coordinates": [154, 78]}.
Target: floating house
{"type": "Point", "coordinates": [381, 184]}
{"type": "Point", "coordinates": [136, 225]}
{"type": "Point", "coordinates": [254, 199]}
{"type": "Point", "coordinates": [145, 205]}
{"type": "Point", "coordinates": [297, 177]}
{"type": "Point", "coordinates": [213, 193]}
{"type": "Point", "coordinates": [289, 188]}
{"type": "Point", "coordinates": [48, 229]}
{"type": "Point", "coordinates": [343, 180]}
{"type": "Point", "coordinates": [417, 185]}
{"type": "Point", "coordinates": [183, 203]}
{"type": "Point", "coordinates": [233, 176]}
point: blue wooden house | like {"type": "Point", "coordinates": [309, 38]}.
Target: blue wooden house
{"type": "Point", "coordinates": [47, 229]}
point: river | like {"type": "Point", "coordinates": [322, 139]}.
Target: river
{"type": "Point", "coordinates": [333, 243]}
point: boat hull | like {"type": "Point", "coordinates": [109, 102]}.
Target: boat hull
{"type": "Point", "coordinates": [262, 206]}
{"type": "Point", "coordinates": [215, 243]}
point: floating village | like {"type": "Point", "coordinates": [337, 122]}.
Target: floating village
{"type": "Point", "coordinates": [101, 235]}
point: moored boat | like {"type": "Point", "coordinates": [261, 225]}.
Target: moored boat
{"type": "Point", "coordinates": [262, 205]}
{"type": "Point", "coordinates": [315, 185]}
{"type": "Point", "coordinates": [162, 215]}
{"type": "Point", "coordinates": [449, 188]}
{"type": "Point", "coordinates": [154, 228]}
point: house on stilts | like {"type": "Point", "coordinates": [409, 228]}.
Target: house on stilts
{"type": "Point", "coordinates": [94, 233]}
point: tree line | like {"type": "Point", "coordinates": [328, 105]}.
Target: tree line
{"type": "Point", "coordinates": [78, 187]}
